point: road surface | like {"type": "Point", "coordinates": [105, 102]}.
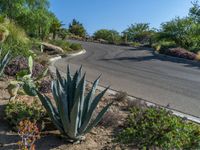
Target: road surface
{"type": "Point", "coordinates": [159, 79]}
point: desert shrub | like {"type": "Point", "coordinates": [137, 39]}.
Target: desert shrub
{"type": "Point", "coordinates": [180, 52]}
{"type": "Point", "coordinates": [20, 63]}
{"type": "Point", "coordinates": [155, 127]}
{"type": "Point", "coordinates": [16, 65]}
{"type": "Point", "coordinates": [75, 46]}
{"type": "Point", "coordinates": [109, 119]}
{"type": "Point", "coordinates": [17, 111]}
{"type": "Point", "coordinates": [17, 41]}
{"type": "Point", "coordinates": [120, 96]}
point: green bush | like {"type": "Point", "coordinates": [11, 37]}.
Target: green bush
{"type": "Point", "coordinates": [155, 127]}
{"type": "Point", "coordinates": [75, 46]}
{"type": "Point", "coordinates": [63, 44]}
{"type": "Point", "coordinates": [17, 41]}
{"type": "Point", "coordinates": [183, 31]}
{"type": "Point", "coordinates": [163, 45]}
{"type": "Point", "coordinates": [135, 44]}
{"type": "Point", "coordinates": [17, 111]}
{"type": "Point", "coordinates": [66, 46]}
{"type": "Point", "coordinates": [111, 36]}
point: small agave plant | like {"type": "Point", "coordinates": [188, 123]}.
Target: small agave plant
{"type": "Point", "coordinates": [73, 111]}
{"type": "Point", "coordinates": [4, 61]}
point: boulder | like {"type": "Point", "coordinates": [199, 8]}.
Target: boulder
{"type": "Point", "coordinates": [50, 47]}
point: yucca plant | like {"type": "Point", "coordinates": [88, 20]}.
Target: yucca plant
{"type": "Point", "coordinates": [73, 109]}
{"type": "Point", "coordinates": [4, 61]}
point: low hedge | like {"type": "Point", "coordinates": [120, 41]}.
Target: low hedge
{"type": "Point", "coordinates": [152, 127]}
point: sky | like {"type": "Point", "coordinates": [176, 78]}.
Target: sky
{"type": "Point", "coordinates": [118, 14]}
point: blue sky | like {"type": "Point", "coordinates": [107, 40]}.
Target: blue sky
{"type": "Point", "coordinates": [118, 14]}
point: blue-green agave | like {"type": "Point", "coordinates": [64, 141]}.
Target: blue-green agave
{"type": "Point", "coordinates": [73, 109]}
{"type": "Point", "coordinates": [4, 61]}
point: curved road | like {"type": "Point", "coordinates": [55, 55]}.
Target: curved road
{"type": "Point", "coordinates": [159, 79]}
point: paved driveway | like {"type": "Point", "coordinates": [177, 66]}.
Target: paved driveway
{"type": "Point", "coordinates": [159, 79]}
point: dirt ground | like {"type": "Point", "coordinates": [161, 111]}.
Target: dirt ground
{"type": "Point", "coordinates": [102, 137]}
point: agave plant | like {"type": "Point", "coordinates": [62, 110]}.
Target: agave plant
{"type": "Point", "coordinates": [73, 111]}
{"type": "Point", "coordinates": [4, 61]}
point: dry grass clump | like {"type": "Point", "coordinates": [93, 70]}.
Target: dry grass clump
{"type": "Point", "coordinates": [120, 96]}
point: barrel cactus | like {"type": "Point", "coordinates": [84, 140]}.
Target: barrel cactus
{"type": "Point", "coordinates": [74, 109]}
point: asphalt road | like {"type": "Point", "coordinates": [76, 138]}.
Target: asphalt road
{"type": "Point", "coordinates": [159, 79]}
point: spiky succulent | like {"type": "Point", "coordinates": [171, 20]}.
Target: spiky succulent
{"type": "Point", "coordinates": [73, 111]}
{"type": "Point", "coordinates": [4, 61]}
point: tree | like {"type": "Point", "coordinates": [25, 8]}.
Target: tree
{"type": "Point", "coordinates": [77, 28]}
{"type": "Point", "coordinates": [63, 33]}
{"type": "Point", "coordinates": [12, 8]}
{"type": "Point", "coordinates": [178, 30]}
{"type": "Point", "coordinates": [111, 36]}
{"type": "Point", "coordinates": [139, 32]}
{"type": "Point", "coordinates": [33, 15]}
{"type": "Point", "coordinates": [55, 27]}
{"type": "Point", "coordinates": [195, 12]}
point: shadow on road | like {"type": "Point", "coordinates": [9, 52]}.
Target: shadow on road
{"type": "Point", "coordinates": [153, 56]}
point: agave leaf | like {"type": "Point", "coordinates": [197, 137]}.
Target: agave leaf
{"type": "Point", "coordinates": [88, 98]}
{"type": "Point", "coordinates": [30, 64]}
{"type": "Point", "coordinates": [91, 110]}
{"type": "Point", "coordinates": [69, 79]}
{"type": "Point", "coordinates": [53, 114]}
{"type": "Point", "coordinates": [55, 93]}
{"type": "Point", "coordinates": [72, 90]}
{"type": "Point", "coordinates": [62, 104]}
{"type": "Point", "coordinates": [97, 119]}
{"type": "Point", "coordinates": [4, 62]}
{"type": "Point", "coordinates": [81, 87]}
{"type": "Point", "coordinates": [75, 116]}
{"type": "Point", "coordinates": [59, 77]}
{"type": "Point", "coordinates": [68, 89]}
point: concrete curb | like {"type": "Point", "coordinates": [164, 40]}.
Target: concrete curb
{"type": "Point", "coordinates": [55, 58]}
{"type": "Point", "coordinates": [83, 51]}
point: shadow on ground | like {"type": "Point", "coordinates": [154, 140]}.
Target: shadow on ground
{"type": "Point", "coordinates": [153, 56]}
